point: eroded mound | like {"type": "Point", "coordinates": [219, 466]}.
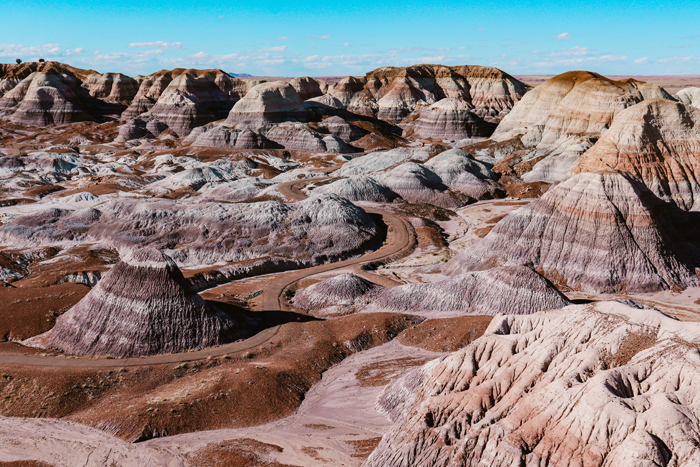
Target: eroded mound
{"type": "Point", "coordinates": [593, 385]}
{"type": "Point", "coordinates": [658, 142]}
{"type": "Point", "coordinates": [563, 117]}
{"type": "Point", "coordinates": [142, 306]}
{"type": "Point", "coordinates": [341, 289]}
{"type": "Point", "coordinates": [597, 232]}
{"type": "Point", "coordinates": [509, 290]}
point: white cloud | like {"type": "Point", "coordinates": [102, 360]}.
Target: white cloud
{"type": "Point", "coordinates": [642, 61]}
{"type": "Point", "coordinates": [20, 51]}
{"type": "Point", "coordinates": [681, 59]}
{"type": "Point", "coordinates": [157, 44]}
{"type": "Point", "coordinates": [571, 62]}
{"type": "Point", "coordinates": [576, 51]}
{"type": "Point", "coordinates": [282, 38]}
{"type": "Point", "coordinates": [280, 48]}
{"type": "Point", "coordinates": [563, 36]}
{"type": "Point", "coordinates": [321, 38]}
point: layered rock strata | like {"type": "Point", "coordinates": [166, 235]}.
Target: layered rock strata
{"type": "Point", "coordinates": [597, 232]}
{"type": "Point", "coordinates": [142, 306]}
{"type": "Point", "coordinates": [512, 290]}
{"type": "Point", "coordinates": [658, 142]}
{"type": "Point", "coordinates": [563, 117]}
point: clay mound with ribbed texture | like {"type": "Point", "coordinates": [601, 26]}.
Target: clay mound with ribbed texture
{"type": "Point", "coordinates": [114, 88]}
{"type": "Point", "coordinates": [268, 103]}
{"type": "Point", "coordinates": [562, 118]}
{"type": "Point", "coordinates": [462, 173]}
{"type": "Point", "coordinates": [392, 94]}
{"type": "Point", "coordinates": [45, 98]}
{"type": "Point", "coordinates": [509, 290]}
{"type": "Point", "coordinates": [195, 98]}
{"type": "Point", "coordinates": [339, 290]}
{"type": "Point", "coordinates": [359, 188]}
{"type": "Point", "coordinates": [451, 119]}
{"type": "Point", "coordinates": [658, 142]}
{"type": "Point", "coordinates": [142, 306]}
{"type": "Point", "coordinates": [689, 96]}
{"type": "Point", "coordinates": [417, 184]}
{"type": "Point", "coordinates": [308, 87]}
{"type": "Point", "coordinates": [203, 231]}
{"type": "Point", "coordinates": [596, 232]}
{"type": "Point", "coordinates": [587, 385]}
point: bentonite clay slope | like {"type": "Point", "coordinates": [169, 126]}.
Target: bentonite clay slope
{"type": "Point", "coordinates": [508, 289]}
{"type": "Point", "coordinates": [194, 98]}
{"type": "Point", "coordinates": [450, 119]}
{"type": "Point", "coordinates": [271, 115]}
{"type": "Point", "coordinates": [341, 289]}
{"type": "Point", "coordinates": [689, 96]}
{"type": "Point", "coordinates": [596, 232]}
{"type": "Point", "coordinates": [658, 142]}
{"type": "Point", "coordinates": [561, 118]}
{"type": "Point", "coordinates": [207, 232]}
{"type": "Point", "coordinates": [142, 306]}
{"type": "Point", "coordinates": [268, 103]}
{"type": "Point", "coordinates": [588, 385]}
{"type": "Point", "coordinates": [393, 93]}
{"type": "Point", "coordinates": [114, 88]}
{"type": "Point", "coordinates": [47, 97]}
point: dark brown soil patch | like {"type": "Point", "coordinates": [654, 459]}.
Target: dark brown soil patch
{"type": "Point", "coordinates": [28, 311]}
{"type": "Point", "coordinates": [447, 334]}
{"type": "Point", "coordinates": [364, 447]}
{"type": "Point", "coordinates": [318, 426]}
{"type": "Point", "coordinates": [427, 211]}
{"type": "Point", "coordinates": [248, 388]}
{"type": "Point", "coordinates": [24, 464]}
{"type": "Point", "coordinates": [632, 345]}
{"type": "Point", "coordinates": [381, 373]}
{"type": "Point", "coordinates": [242, 452]}
{"type": "Point", "coordinates": [526, 190]}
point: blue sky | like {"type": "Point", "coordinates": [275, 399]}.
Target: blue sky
{"type": "Point", "coordinates": [332, 38]}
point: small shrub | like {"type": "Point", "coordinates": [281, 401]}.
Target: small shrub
{"type": "Point", "coordinates": [18, 60]}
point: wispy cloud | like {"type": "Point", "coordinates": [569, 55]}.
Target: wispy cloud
{"type": "Point", "coordinates": [280, 48]}
{"type": "Point", "coordinates": [157, 44]}
{"type": "Point", "coordinates": [321, 38]}
{"type": "Point", "coordinates": [642, 61]}
{"type": "Point", "coordinates": [677, 59]}
{"type": "Point", "coordinates": [563, 36]}
{"type": "Point", "coordinates": [575, 51]}
{"type": "Point", "coordinates": [282, 38]}
{"type": "Point", "coordinates": [21, 51]}
{"type": "Point", "coordinates": [572, 62]}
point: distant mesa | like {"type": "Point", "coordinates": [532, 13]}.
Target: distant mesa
{"type": "Point", "coordinates": [596, 232]}
{"type": "Point", "coordinates": [381, 109]}
{"type": "Point", "coordinates": [658, 142]}
{"type": "Point", "coordinates": [142, 306]}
